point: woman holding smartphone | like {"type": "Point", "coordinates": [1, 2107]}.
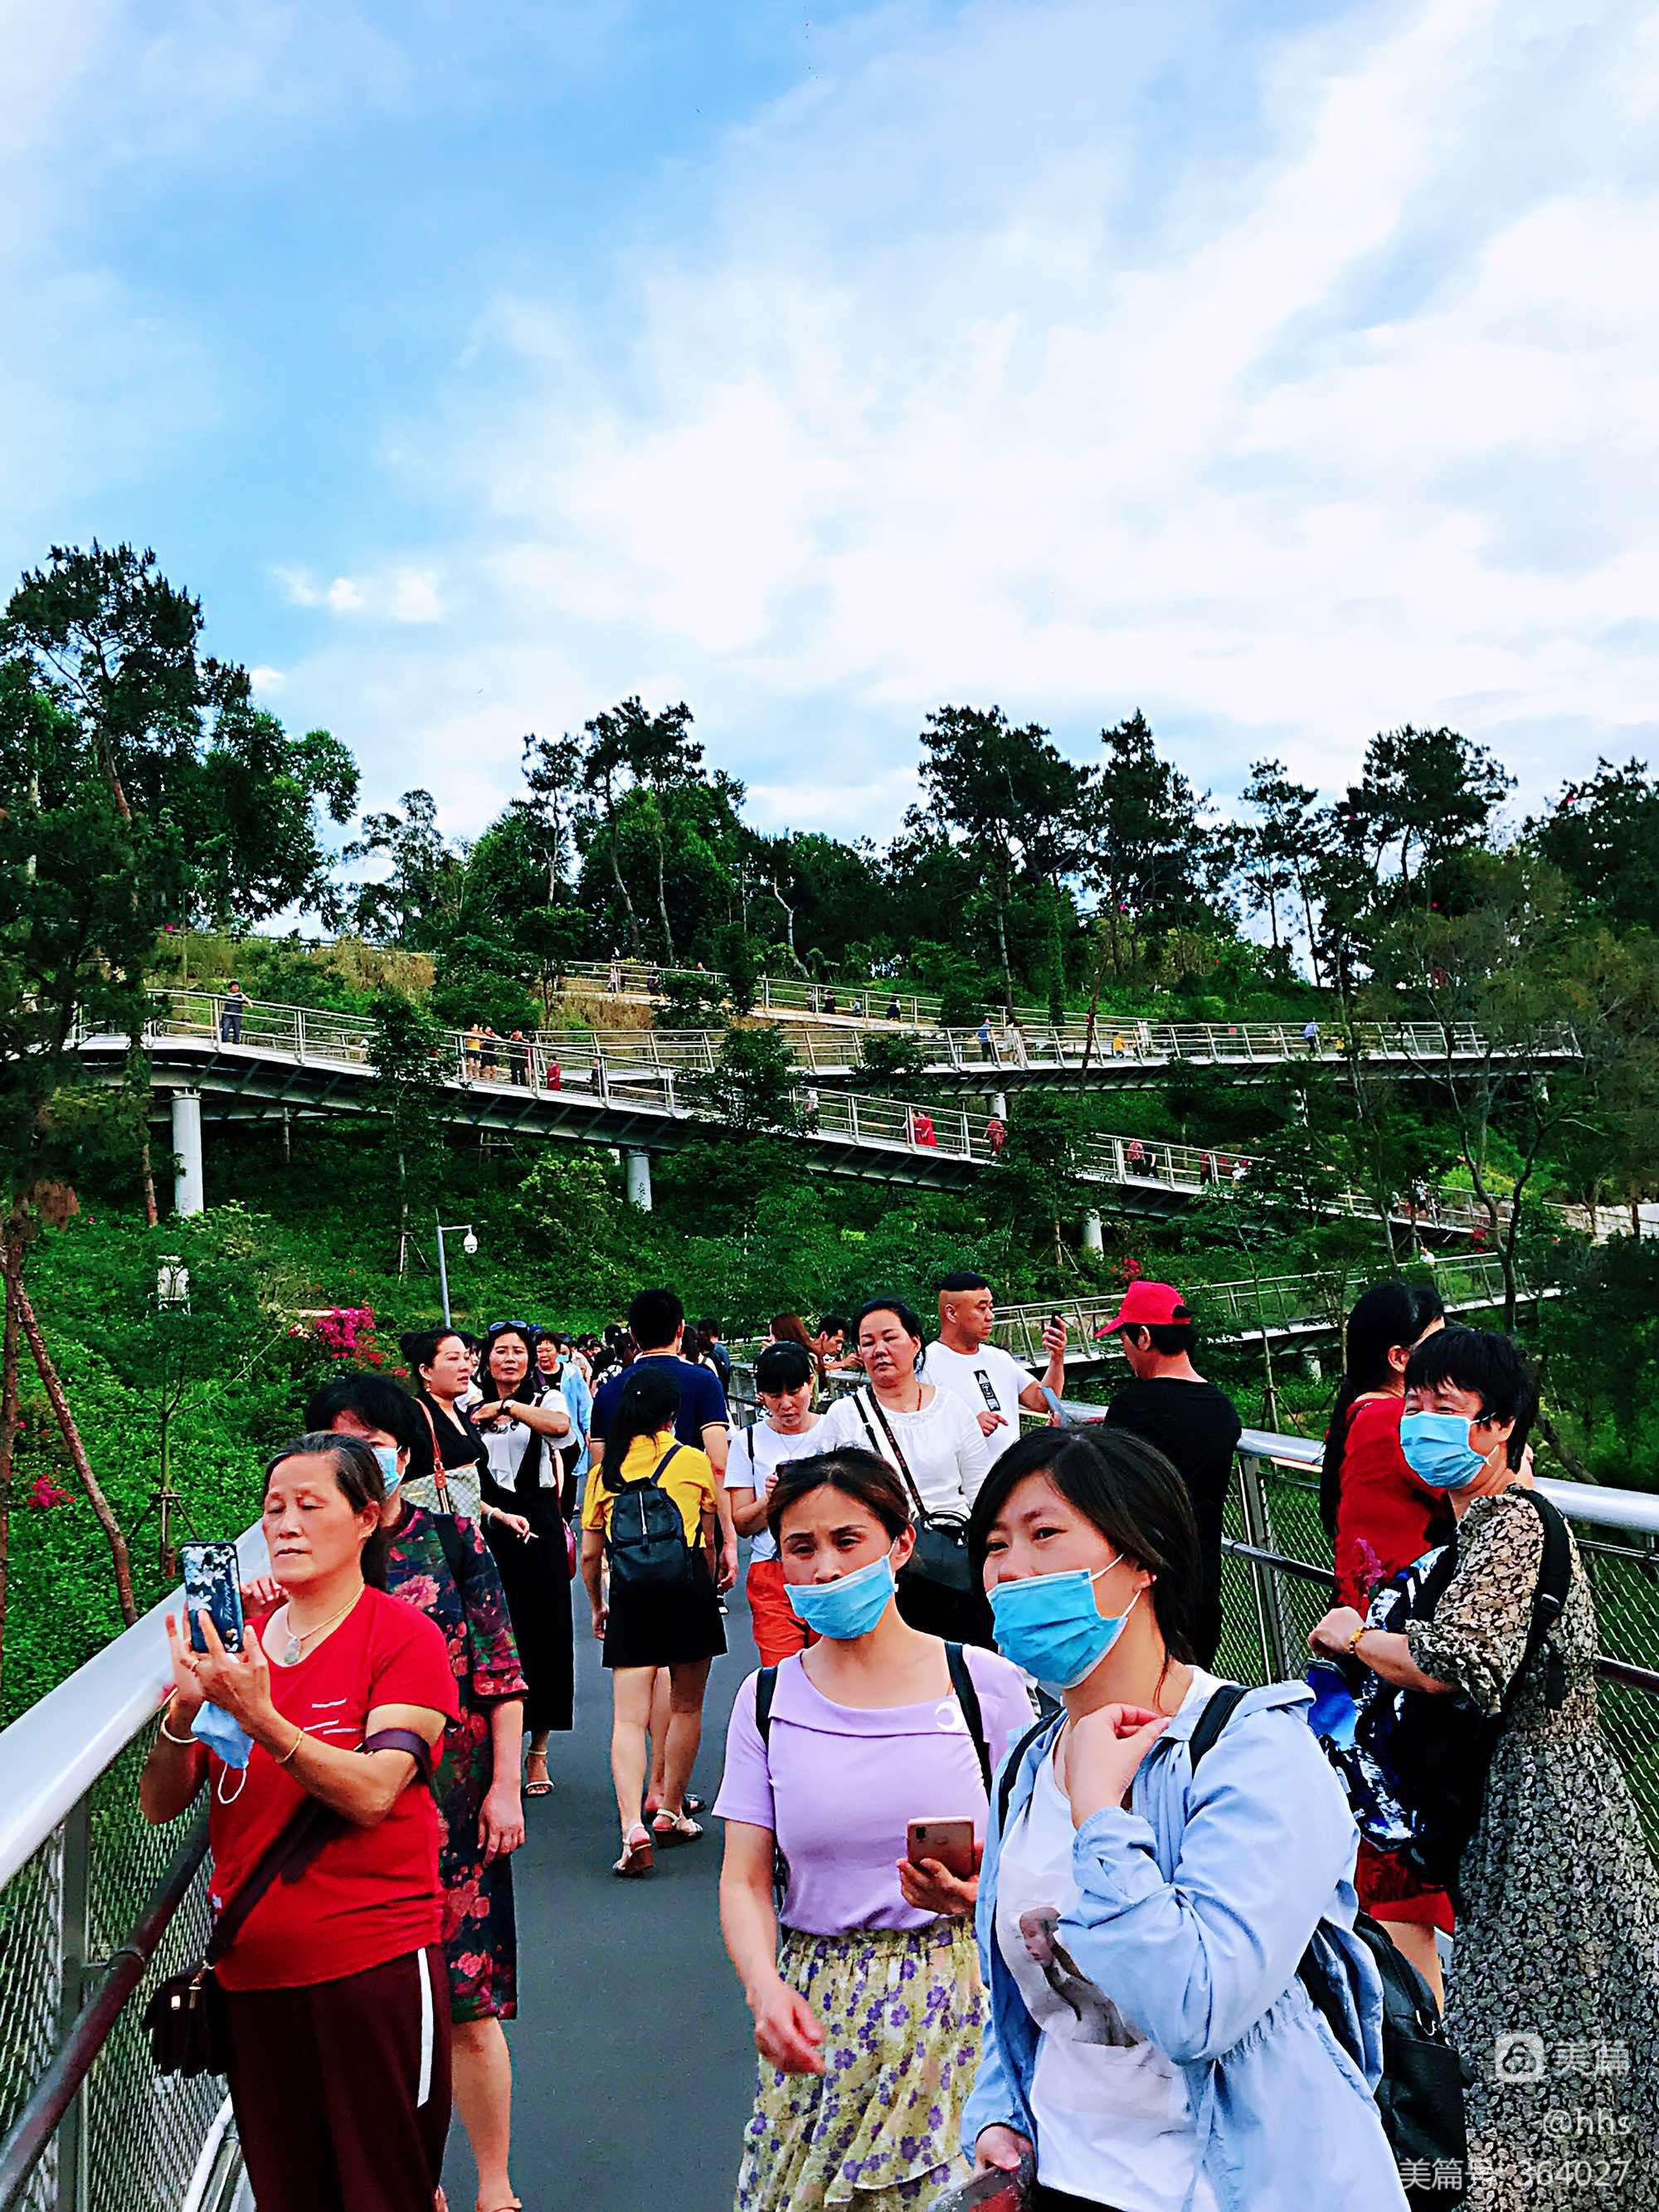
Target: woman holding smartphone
{"type": "Point", "coordinates": [866, 1995]}
{"type": "Point", "coordinates": [526, 1426]}
{"type": "Point", "coordinates": [336, 1998]}
{"type": "Point", "coordinates": [1151, 2044]}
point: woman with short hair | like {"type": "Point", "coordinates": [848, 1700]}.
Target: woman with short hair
{"type": "Point", "coordinates": [863, 1985]}
{"type": "Point", "coordinates": [442, 1566]}
{"type": "Point", "coordinates": [335, 1996]}
{"type": "Point", "coordinates": [1152, 2043]}
{"type": "Point", "coordinates": [929, 1438]}
{"type": "Point", "coordinates": [449, 1478]}
{"type": "Point", "coordinates": [1557, 1904]}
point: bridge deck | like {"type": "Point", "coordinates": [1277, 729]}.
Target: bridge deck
{"type": "Point", "coordinates": [634, 2052]}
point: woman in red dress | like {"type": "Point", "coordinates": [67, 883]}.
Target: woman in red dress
{"type": "Point", "coordinates": [1381, 1518]}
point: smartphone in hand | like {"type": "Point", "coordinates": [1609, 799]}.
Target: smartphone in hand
{"type": "Point", "coordinates": [949, 1842]}
{"type": "Point", "coordinates": [213, 1585]}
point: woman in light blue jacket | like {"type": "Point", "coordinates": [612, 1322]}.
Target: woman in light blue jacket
{"type": "Point", "coordinates": [1140, 1929]}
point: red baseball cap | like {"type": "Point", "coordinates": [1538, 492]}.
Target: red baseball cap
{"type": "Point", "coordinates": [1147, 1305]}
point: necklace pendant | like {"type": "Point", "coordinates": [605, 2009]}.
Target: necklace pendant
{"type": "Point", "coordinates": [291, 1656]}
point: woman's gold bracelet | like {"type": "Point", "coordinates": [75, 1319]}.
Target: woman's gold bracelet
{"type": "Point", "coordinates": [299, 1738]}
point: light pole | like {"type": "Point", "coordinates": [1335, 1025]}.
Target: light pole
{"type": "Point", "coordinates": [469, 1245]}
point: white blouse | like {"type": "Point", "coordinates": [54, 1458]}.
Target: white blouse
{"type": "Point", "coordinates": [947, 1456]}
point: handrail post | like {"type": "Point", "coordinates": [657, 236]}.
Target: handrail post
{"type": "Point", "coordinates": [74, 2167]}
{"type": "Point", "coordinates": [298, 1033]}
{"type": "Point", "coordinates": [853, 1118]}
{"type": "Point", "coordinates": [1270, 1618]}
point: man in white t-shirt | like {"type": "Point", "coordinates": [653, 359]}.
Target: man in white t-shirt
{"type": "Point", "coordinates": [784, 1377]}
{"type": "Point", "coordinates": [989, 1381]}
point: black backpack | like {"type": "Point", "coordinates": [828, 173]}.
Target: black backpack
{"type": "Point", "coordinates": [1420, 2095]}
{"type": "Point", "coordinates": [1436, 1752]}
{"type": "Point", "coordinates": [645, 1545]}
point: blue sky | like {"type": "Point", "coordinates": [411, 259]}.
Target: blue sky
{"type": "Point", "coordinates": [1290, 372]}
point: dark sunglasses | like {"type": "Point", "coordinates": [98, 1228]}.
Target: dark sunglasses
{"type": "Point", "coordinates": [527, 1329]}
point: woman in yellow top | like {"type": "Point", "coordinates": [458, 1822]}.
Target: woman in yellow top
{"type": "Point", "coordinates": [661, 1609]}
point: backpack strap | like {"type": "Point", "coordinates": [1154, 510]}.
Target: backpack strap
{"type": "Point", "coordinates": [1222, 1704]}
{"type": "Point", "coordinates": [766, 1688]}
{"type": "Point", "coordinates": [1549, 1600]}
{"type": "Point", "coordinates": [1011, 1765]}
{"type": "Point", "coordinates": [962, 1682]}
{"type": "Point", "coordinates": [661, 1467]}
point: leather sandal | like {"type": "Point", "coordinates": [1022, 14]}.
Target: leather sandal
{"type": "Point", "coordinates": [638, 1856]}
{"type": "Point", "coordinates": [672, 1828]}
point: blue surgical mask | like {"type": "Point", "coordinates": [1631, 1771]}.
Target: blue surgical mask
{"type": "Point", "coordinates": [227, 1739]}
{"type": "Point", "coordinates": [387, 1455]}
{"type": "Point", "coordinates": [1439, 1451]}
{"type": "Point", "coordinates": [1049, 1624]}
{"type": "Point", "coordinates": [849, 1608]}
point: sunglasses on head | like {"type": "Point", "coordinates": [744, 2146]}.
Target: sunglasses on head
{"type": "Point", "coordinates": [524, 1329]}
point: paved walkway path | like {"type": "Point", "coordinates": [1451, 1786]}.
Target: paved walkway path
{"type": "Point", "coordinates": [633, 2053]}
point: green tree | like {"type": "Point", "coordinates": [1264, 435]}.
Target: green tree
{"type": "Point", "coordinates": [1009, 795]}
{"type": "Point", "coordinates": [418, 901]}
{"type": "Point", "coordinates": [1148, 841]}
{"type": "Point", "coordinates": [407, 1050]}
{"type": "Point", "coordinates": [753, 1088]}
{"type": "Point", "coordinates": [1282, 847]}
{"type": "Point", "coordinates": [1603, 835]}
{"type": "Point", "coordinates": [1431, 793]}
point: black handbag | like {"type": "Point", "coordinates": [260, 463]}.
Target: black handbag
{"type": "Point", "coordinates": [940, 1556]}
{"type": "Point", "coordinates": [185, 2019]}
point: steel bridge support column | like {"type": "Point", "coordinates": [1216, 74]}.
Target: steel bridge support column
{"type": "Point", "coordinates": [1093, 1235]}
{"type": "Point", "coordinates": [636, 1179]}
{"type": "Point", "coordinates": [189, 1182]}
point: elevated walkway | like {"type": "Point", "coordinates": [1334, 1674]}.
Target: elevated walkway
{"type": "Point", "coordinates": [626, 1090]}
{"type": "Point", "coordinates": [826, 1023]}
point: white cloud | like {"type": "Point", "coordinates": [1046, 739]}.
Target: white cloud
{"type": "Point", "coordinates": [398, 595]}
{"type": "Point", "coordinates": [1346, 422]}
{"type": "Point", "coordinates": [414, 597]}
{"type": "Point", "coordinates": [266, 679]}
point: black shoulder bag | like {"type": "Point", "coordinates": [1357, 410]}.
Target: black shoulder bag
{"type": "Point", "coordinates": [1419, 2096]}
{"type": "Point", "coordinates": [185, 2018]}
{"type": "Point", "coordinates": [941, 1553]}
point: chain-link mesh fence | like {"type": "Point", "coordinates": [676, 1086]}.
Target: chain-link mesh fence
{"type": "Point", "coordinates": [142, 2134]}
{"type": "Point", "coordinates": [1274, 1509]}
{"type": "Point", "coordinates": [145, 2131]}
{"type": "Point", "coordinates": [31, 1995]}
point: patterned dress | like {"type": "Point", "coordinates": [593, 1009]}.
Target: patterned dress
{"type": "Point", "coordinates": [1554, 1989]}
{"type": "Point", "coordinates": [480, 1936]}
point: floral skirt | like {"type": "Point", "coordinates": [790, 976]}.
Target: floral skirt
{"type": "Point", "coordinates": [901, 2011]}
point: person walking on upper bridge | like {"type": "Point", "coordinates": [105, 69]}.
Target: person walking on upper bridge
{"type": "Point", "coordinates": [230, 1014]}
{"type": "Point", "coordinates": [1192, 1422]}
{"type": "Point", "coordinates": [989, 1382]}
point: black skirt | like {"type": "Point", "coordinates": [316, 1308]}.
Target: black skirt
{"type": "Point", "coordinates": [665, 1628]}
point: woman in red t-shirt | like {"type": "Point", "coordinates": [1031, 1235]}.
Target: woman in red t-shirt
{"type": "Point", "coordinates": [1381, 1518]}
{"type": "Point", "coordinates": [337, 1979]}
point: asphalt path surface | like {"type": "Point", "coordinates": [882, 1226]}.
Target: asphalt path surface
{"type": "Point", "coordinates": [633, 2053]}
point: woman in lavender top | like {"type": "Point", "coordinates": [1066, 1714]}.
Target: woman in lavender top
{"type": "Point", "coordinates": [864, 1984]}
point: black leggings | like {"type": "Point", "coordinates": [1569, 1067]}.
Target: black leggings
{"type": "Point", "coordinates": [1056, 2200]}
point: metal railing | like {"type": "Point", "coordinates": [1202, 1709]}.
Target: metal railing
{"type": "Point", "coordinates": [95, 1907]}
{"type": "Point", "coordinates": [1028, 1036]}
{"type": "Point", "coordinates": [646, 1067]}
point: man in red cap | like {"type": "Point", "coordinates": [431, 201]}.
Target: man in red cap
{"type": "Point", "coordinates": [1193, 1423]}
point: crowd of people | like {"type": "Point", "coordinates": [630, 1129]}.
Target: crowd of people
{"type": "Point", "coordinates": [1015, 1881]}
